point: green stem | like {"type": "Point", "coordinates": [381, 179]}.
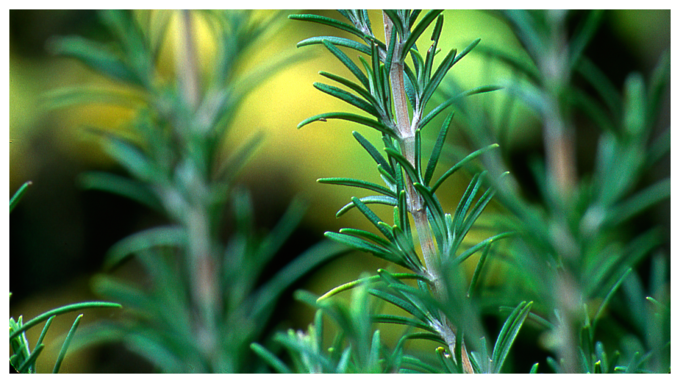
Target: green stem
{"type": "Point", "coordinates": [187, 71]}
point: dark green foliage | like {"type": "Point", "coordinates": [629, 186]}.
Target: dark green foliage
{"type": "Point", "coordinates": [21, 357]}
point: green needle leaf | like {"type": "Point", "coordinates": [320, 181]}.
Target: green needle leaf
{"type": "Point", "coordinates": [436, 151]}
{"type": "Point", "coordinates": [348, 63]}
{"type": "Point", "coordinates": [348, 117]}
{"type": "Point", "coordinates": [508, 333]}
{"type": "Point", "coordinates": [383, 200]}
{"type": "Point", "coordinates": [328, 21]}
{"type": "Point", "coordinates": [270, 358]}
{"type": "Point", "coordinates": [352, 85]}
{"type": "Point", "coordinates": [30, 361]}
{"type": "Point", "coordinates": [362, 48]}
{"type": "Point", "coordinates": [358, 184]}
{"type": "Point", "coordinates": [460, 164]}
{"type": "Point", "coordinates": [18, 195]}
{"type": "Point", "coordinates": [348, 98]}
{"type": "Point", "coordinates": [67, 342]}
{"type": "Point", "coordinates": [61, 310]}
{"type": "Point", "coordinates": [418, 30]}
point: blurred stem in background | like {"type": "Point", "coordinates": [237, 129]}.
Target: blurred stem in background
{"type": "Point", "coordinates": [577, 247]}
{"type": "Point", "coordinates": [207, 300]}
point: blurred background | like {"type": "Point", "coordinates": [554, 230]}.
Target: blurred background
{"type": "Point", "coordinates": [59, 233]}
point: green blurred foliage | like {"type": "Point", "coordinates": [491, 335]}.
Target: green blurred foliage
{"type": "Point", "coordinates": [70, 230]}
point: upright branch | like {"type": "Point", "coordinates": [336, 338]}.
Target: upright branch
{"type": "Point", "coordinates": [407, 138]}
{"type": "Point", "coordinates": [406, 134]}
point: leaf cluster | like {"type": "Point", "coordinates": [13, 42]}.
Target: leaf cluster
{"type": "Point", "coordinates": [22, 359]}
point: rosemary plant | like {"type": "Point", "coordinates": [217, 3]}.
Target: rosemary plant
{"type": "Point", "coordinates": [570, 254]}
{"type": "Point", "coordinates": [204, 305]}
{"type": "Point", "coordinates": [394, 87]}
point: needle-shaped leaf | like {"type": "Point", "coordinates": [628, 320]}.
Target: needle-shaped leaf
{"type": "Point", "coordinates": [418, 30]}
{"type": "Point", "coordinates": [639, 202]}
{"type": "Point", "coordinates": [367, 235]}
{"type": "Point", "coordinates": [359, 184]}
{"type": "Point", "coordinates": [272, 360]}
{"type": "Point", "coordinates": [406, 321]}
{"type": "Point", "coordinates": [377, 72]}
{"type": "Point", "coordinates": [362, 281]}
{"type": "Point", "coordinates": [58, 311]}
{"type": "Point", "coordinates": [478, 269]}
{"type": "Point", "coordinates": [525, 67]}
{"type": "Point", "coordinates": [460, 164]}
{"type": "Point", "coordinates": [174, 236]}
{"type": "Point", "coordinates": [437, 31]}
{"type": "Point", "coordinates": [340, 41]}
{"type": "Point", "coordinates": [413, 295]}
{"type": "Point", "coordinates": [29, 363]}
{"type": "Point", "coordinates": [405, 164]}
{"type": "Point", "coordinates": [507, 335]}
{"type": "Point", "coordinates": [465, 51]}
{"type": "Point", "coordinates": [265, 298]}
{"type": "Point", "coordinates": [389, 56]}
{"type": "Point", "coordinates": [67, 343]}
{"type": "Point", "coordinates": [347, 97]}
{"type": "Point", "coordinates": [432, 204]}
{"type": "Point", "coordinates": [419, 66]}
{"type": "Point", "coordinates": [85, 95]}
{"type": "Point", "coordinates": [476, 212]}
{"type": "Point", "coordinates": [602, 85]}
{"type": "Point", "coordinates": [436, 151]}
{"type": "Point", "coordinates": [467, 253]}
{"type": "Point", "coordinates": [347, 62]}
{"type": "Point", "coordinates": [44, 330]}
{"type": "Point", "coordinates": [606, 299]}
{"type": "Point", "coordinates": [658, 84]}
{"type": "Point", "coordinates": [18, 195]}
{"type": "Point", "coordinates": [466, 201]}
{"type": "Point", "coordinates": [377, 199]}
{"type": "Point", "coordinates": [130, 157]}
{"type": "Point", "coordinates": [373, 151]}
{"type": "Point", "coordinates": [373, 218]}
{"type": "Point", "coordinates": [363, 245]}
{"type": "Point", "coordinates": [352, 85]}
{"type": "Point", "coordinates": [330, 22]}
{"type": "Point", "coordinates": [437, 77]}
{"type": "Point", "coordinates": [583, 36]}
{"type": "Point", "coordinates": [124, 186]}
{"type": "Point", "coordinates": [348, 117]}
{"type": "Point", "coordinates": [434, 112]}
{"type": "Point", "coordinates": [411, 87]}
{"type": "Point", "coordinates": [95, 56]}
{"type": "Point", "coordinates": [407, 248]}
{"type": "Point", "coordinates": [399, 302]}
{"type": "Point", "coordinates": [413, 16]}
{"type": "Point", "coordinates": [403, 213]}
